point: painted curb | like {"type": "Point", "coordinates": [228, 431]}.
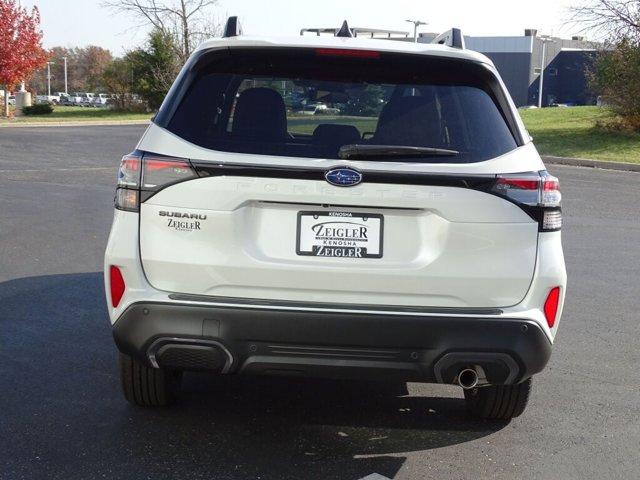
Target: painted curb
{"type": "Point", "coordinates": [583, 162]}
{"type": "Point", "coordinates": [88, 123]}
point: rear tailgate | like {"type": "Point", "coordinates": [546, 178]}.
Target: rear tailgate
{"type": "Point", "coordinates": [238, 237]}
{"type": "Point", "coordinates": [263, 235]}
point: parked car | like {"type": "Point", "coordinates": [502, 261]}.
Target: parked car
{"type": "Point", "coordinates": [87, 100]}
{"type": "Point", "coordinates": [312, 109]}
{"type": "Point", "coordinates": [80, 99]}
{"type": "Point", "coordinates": [64, 98]}
{"type": "Point", "coordinates": [421, 245]}
{"type": "Point", "coordinates": [68, 99]}
{"type": "Point", "coordinates": [318, 109]}
{"type": "Point", "coordinates": [11, 98]}
{"type": "Point", "coordinates": [101, 100]}
{"type": "Point", "coordinates": [75, 99]}
{"type": "Point", "coordinates": [52, 99]}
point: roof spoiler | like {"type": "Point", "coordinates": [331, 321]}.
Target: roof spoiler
{"type": "Point", "coordinates": [451, 38]}
{"type": "Point", "coordinates": [232, 28]}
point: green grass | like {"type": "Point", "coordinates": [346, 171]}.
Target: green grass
{"type": "Point", "coordinates": [77, 114]}
{"type": "Point", "coordinates": [562, 132]}
{"type": "Point", "coordinates": [572, 132]}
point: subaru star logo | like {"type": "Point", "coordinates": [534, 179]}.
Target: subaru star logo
{"type": "Point", "coordinates": [343, 177]}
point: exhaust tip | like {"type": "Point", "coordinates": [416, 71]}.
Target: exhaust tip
{"type": "Point", "coordinates": [189, 354]}
{"type": "Point", "coordinates": [468, 378]}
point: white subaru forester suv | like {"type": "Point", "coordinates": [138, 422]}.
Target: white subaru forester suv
{"type": "Point", "coordinates": [411, 234]}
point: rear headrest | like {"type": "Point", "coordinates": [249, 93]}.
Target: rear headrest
{"type": "Point", "coordinates": [409, 121]}
{"type": "Point", "coordinates": [260, 114]}
{"type": "Point", "coordinates": [332, 134]}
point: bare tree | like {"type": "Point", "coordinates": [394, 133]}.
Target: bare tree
{"type": "Point", "coordinates": [615, 19]}
{"type": "Point", "coordinates": [188, 22]}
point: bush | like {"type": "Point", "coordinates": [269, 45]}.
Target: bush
{"type": "Point", "coordinates": [616, 76]}
{"type": "Point", "coordinates": [38, 109]}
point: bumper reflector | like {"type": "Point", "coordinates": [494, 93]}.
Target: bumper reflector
{"type": "Point", "coordinates": [551, 306]}
{"type": "Point", "coordinates": [116, 282]}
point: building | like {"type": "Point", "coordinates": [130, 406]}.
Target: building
{"type": "Point", "coordinates": [519, 61]}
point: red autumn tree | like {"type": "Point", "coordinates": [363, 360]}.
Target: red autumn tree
{"type": "Point", "coordinates": [21, 51]}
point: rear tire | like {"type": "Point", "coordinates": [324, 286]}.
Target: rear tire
{"type": "Point", "coordinates": [148, 387]}
{"type": "Point", "coordinates": [498, 402]}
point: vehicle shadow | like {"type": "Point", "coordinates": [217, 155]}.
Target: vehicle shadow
{"type": "Point", "coordinates": [63, 415]}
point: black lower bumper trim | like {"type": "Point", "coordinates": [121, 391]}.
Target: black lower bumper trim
{"type": "Point", "coordinates": [333, 344]}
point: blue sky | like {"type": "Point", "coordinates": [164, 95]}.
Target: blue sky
{"type": "Point", "coordinates": [83, 22]}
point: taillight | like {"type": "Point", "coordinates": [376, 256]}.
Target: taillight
{"type": "Point", "coordinates": [116, 282]}
{"type": "Point", "coordinates": [537, 192]}
{"type": "Point", "coordinates": [551, 306]}
{"type": "Point", "coordinates": [522, 189]}
{"type": "Point", "coordinates": [139, 176]}
{"type": "Point", "coordinates": [128, 191]}
{"type": "Point", "coordinates": [129, 171]}
{"type": "Point", "coordinates": [550, 192]}
{"type": "Point", "coordinates": [160, 172]}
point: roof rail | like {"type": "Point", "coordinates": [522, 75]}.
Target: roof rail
{"type": "Point", "coordinates": [232, 28]}
{"type": "Point", "coordinates": [451, 38]}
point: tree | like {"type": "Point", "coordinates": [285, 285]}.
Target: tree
{"type": "Point", "coordinates": [365, 102]}
{"type": "Point", "coordinates": [85, 66]}
{"type": "Point", "coordinates": [616, 19]}
{"type": "Point", "coordinates": [186, 22]}
{"type": "Point", "coordinates": [615, 74]}
{"type": "Point", "coordinates": [94, 61]}
{"type": "Point", "coordinates": [21, 51]}
{"type": "Point", "coordinates": [38, 81]}
{"type": "Point", "coordinates": [154, 69]}
{"type": "Point", "coordinates": [119, 80]}
{"type": "Point", "coordinates": [146, 72]}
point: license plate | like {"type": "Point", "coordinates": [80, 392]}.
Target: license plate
{"type": "Point", "coordinates": [340, 234]}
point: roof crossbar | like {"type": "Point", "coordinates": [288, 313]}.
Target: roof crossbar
{"type": "Point", "coordinates": [357, 32]}
{"type": "Point", "coordinates": [232, 28]}
{"type": "Point", "coordinates": [451, 38]}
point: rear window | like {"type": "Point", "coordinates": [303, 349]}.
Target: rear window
{"type": "Point", "coordinates": [310, 103]}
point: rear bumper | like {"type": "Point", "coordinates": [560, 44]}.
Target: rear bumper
{"type": "Point", "coordinates": [345, 344]}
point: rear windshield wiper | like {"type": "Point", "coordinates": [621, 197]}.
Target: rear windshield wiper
{"type": "Point", "coordinates": [357, 151]}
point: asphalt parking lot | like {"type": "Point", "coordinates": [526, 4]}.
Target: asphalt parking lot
{"type": "Point", "coordinates": [62, 415]}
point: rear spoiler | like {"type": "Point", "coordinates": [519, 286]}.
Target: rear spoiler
{"type": "Point", "coordinates": [451, 38]}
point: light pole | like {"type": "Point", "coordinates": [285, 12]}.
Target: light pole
{"type": "Point", "coordinates": [65, 75]}
{"type": "Point", "coordinates": [545, 40]}
{"type": "Point", "coordinates": [416, 24]}
{"type": "Point", "coordinates": [49, 77]}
